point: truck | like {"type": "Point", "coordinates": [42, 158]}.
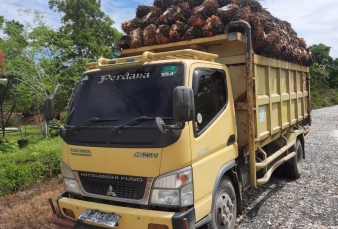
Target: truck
{"type": "Point", "coordinates": [169, 136]}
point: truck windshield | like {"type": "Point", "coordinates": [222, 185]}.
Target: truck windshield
{"type": "Point", "coordinates": [124, 94]}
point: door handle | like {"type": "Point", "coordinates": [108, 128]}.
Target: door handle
{"type": "Point", "coordinates": [231, 140]}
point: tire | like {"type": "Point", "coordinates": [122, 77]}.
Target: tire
{"type": "Point", "coordinates": [294, 167]}
{"type": "Point", "coordinates": [223, 214]}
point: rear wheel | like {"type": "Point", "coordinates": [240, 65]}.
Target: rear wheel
{"type": "Point", "coordinates": [223, 214]}
{"type": "Point", "coordinates": [294, 167]}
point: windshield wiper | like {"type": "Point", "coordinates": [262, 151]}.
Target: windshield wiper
{"type": "Point", "coordinates": [93, 120]}
{"type": "Point", "coordinates": [141, 118]}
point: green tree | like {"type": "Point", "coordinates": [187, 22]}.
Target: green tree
{"type": "Point", "coordinates": [87, 26]}
{"type": "Point", "coordinates": [322, 54]}
{"type": "Point", "coordinates": [34, 57]}
{"type": "Point", "coordinates": [324, 60]}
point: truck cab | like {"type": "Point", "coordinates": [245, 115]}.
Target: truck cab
{"type": "Point", "coordinates": [116, 157]}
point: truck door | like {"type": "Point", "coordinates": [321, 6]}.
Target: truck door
{"type": "Point", "coordinates": [213, 135]}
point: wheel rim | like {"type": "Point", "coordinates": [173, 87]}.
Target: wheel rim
{"type": "Point", "coordinates": [224, 210]}
{"type": "Point", "coordinates": [299, 159]}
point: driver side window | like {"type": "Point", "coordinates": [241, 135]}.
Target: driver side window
{"type": "Point", "coordinates": [210, 96]}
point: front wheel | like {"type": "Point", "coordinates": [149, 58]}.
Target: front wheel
{"type": "Point", "coordinates": [223, 215]}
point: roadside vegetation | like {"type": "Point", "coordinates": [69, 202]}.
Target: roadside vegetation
{"type": "Point", "coordinates": [324, 77]}
{"type": "Point", "coordinates": [39, 161]}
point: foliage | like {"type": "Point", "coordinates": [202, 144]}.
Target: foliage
{"type": "Point", "coordinates": [36, 163]}
{"type": "Point", "coordinates": [55, 132]}
{"type": "Point", "coordinates": [324, 77]}
{"type": "Point", "coordinates": [322, 54]}
{"type": "Point", "coordinates": [87, 26]}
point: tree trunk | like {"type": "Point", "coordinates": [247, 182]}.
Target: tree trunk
{"type": "Point", "coordinates": [45, 129]}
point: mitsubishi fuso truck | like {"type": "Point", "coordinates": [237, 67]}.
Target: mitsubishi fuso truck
{"type": "Point", "coordinates": [169, 136]}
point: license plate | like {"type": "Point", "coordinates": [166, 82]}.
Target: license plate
{"type": "Point", "coordinates": [100, 218]}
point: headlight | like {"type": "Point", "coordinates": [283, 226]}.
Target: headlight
{"type": "Point", "coordinates": [66, 171]}
{"type": "Point", "coordinates": [173, 189]}
{"type": "Point", "coordinates": [69, 179]}
{"type": "Point", "coordinates": [71, 185]}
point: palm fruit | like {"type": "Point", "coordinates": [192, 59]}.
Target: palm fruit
{"type": "Point", "coordinates": [136, 38]}
{"type": "Point", "coordinates": [213, 27]}
{"type": "Point", "coordinates": [189, 34]}
{"type": "Point", "coordinates": [194, 3]}
{"type": "Point", "coordinates": [222, 3]}
{"type": "Point", "coordinates": [149, 35]}
{"type": "Point", "coordinates": [162, 34]}
{"type": "Point", "coordinates": [177, 31]}
{"type": "Point", "coordinates": [197, 21]}
{"type": "Point", "coordinates": [186, 11]}
{"type": "Point", "coordinates": [170, 16]}
{"type": "Point", "coordinates": [228, 13]}
{"type": "Point", "coordinates": [254, 5]}
{"type": "Point", "coordinates": [148, 20]}
{"type": "Point", "coordinates": [124, 42]}
{"type": "Point", "coordinates": [162, 4]}
{"type": "Point", "coordinates": [142, 10]}
{"type": "Point", "coordinates": [207, 9]}
{"type": "Point", "coordinates": [128, 26]}
{"type": "Point", "coordinates": [192, 33]}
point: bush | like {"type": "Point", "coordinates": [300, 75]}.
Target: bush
{"type": "Point", "coordinates": [36, 163]}
{"type": "Point", "coordinates": [8, 145]}
{"type": "Point", "coordinates": [54, 132]}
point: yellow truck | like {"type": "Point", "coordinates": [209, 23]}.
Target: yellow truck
{"type": "Point", "coordinates": [169, 136]}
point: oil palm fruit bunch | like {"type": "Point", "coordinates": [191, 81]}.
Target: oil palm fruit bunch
{"type": "Point", "coordinates": [222, 3]}
{"type": "Point", "coordinates": [228, 13]}
{"type": "Point", "coordinates": [258, 39]}
{"type": "Point", "coordinates": [177, 31]}
{"type": "Point", "coordinates": [194, 3]}
{"type": "Point", "coordinates": [124, 42]}
{"type": "Point", "coordinates": [189, 34]}
{"type": "Point", "coordinates": [162, 4]}
{"type": "Point", "coordinates": [206, 10]}
{"type": "Point", "coordinates": [128, 26]}
{"type": "Point", "coordinates": [143, 10]}
{"type": "Point", "coordinates": [213, 26]}
{"type": "Point", "coordinates": [170, 16]}
{"type": "Point", "coordinates": [254, 5]}
{"type": "Point", "coordinates": [186, 11]}
{"type": "Point", "coordinates": [136, 38]}
{"type": "Point", "coordinates": [162, 34]}
{"type": "Point", "coordinates": [151, 17]}
{"type": "Point", "coordinates": [149, 35]}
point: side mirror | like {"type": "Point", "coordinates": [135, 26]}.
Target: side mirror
{"type": "Point", "coordinates": [48, 109]}
{"type": "Point", "coordinates": [183, 104]}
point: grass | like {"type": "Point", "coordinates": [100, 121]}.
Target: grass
{"type": "Point", "coordinates": [39, 161]}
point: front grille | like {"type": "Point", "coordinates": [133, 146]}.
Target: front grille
{"type": "Point", "coordinates": [123, 186]}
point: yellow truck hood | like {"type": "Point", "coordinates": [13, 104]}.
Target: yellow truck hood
{"type": "Point", "coordinates": [119, 161]}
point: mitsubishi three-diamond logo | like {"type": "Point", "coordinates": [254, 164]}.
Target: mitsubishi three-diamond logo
{"type": "Point", "coordinates": [110, 191]}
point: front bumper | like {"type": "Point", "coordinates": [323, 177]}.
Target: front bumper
{"type": "Point", "coordinates": [131, 218]}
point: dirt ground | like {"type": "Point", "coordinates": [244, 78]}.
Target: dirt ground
{"type": "Point", "coordinates": [310, 202]}
{"type": "Point", "coordinates": [30, 209]}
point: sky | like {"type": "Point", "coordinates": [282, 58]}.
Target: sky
{"type": "Point", "coordinates": [314, 20]}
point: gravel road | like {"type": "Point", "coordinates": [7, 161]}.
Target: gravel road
{"type": "Point", "coordinates": [312, 200]}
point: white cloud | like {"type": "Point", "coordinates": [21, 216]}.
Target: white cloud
{"type": "Point", "coordinates": [9, 9]}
